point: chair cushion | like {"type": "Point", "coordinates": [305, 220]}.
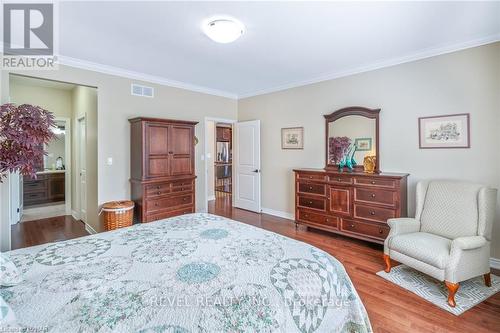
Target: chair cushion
{"type": "Point", "coordinates": [428, 248]}
{"type": "Point", "coordinates": [451, 209]}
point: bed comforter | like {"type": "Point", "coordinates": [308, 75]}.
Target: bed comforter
{"type": "Point", "coordinates": [192, 273]}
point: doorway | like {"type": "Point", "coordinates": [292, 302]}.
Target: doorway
{"type": "Point", "coordinates": [61, 189]}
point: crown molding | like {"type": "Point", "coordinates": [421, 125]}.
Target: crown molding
{"type": "Point", "coordinates": [116, 71]}
{"type": "Point", "coordinates": [428, 53]}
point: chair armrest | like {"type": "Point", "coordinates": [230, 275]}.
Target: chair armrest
{"type": "Point", "coordinates": [403, 225]}
{"type": "Point", "coordinates": [469, 243]}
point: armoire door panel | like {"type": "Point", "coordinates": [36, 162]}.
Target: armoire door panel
{"type": "Point", "coordinates": [158, 167]}
{"type": "Point", "coordinates": [181, 140]}
{"type": "Point", "coordinates": [157, 139]}
{"type": "Point", "coordinates": [181, 165]}
{"type": "Point", "coordinates": [340, 199]}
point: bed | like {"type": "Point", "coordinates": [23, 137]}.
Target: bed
{"type": "Point", "coordinates": [192, 273]}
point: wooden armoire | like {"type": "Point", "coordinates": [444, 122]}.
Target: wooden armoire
{"type": "Point", "coordinates": [162, 168]}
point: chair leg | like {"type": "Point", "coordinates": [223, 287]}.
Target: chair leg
{"type": "Point", "coordinates": [387, 261]}
{"type": "Point", "coordinates": [487, 279]}
{"type": "Point", "coordinates": [452, 290]}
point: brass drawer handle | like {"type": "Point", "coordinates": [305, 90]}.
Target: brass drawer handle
{"type": "Point", "coordinates": [158, 192]}
{"type": "Point", "coordinates": [310, 187]}
{"type": "Point", "coordinates": [310, 177]}
{"type": "Point", "coordinates": [184, 199]}
{"type": "Point", "coordinates": [327, 220]}
{"type": "Point", "coordinates": [373, 182]}
{"type": "Point", "coordinates": [156, 204]}
{"type": "Point", "coordinates": [310, 202]}
{"type": "Point", "coordinates": [306, 215]}
{"type": "Point", "coordinates": [158, 187]}
{"type": "Point", "coordinates": [338, 179]}
{"type": "Point", "coordinates": [372, 212]}
{"type": "Point", "coordinates": [373, 195]}
{"type": "Point", "coordinates": [352, 225]}
{"type": "Point", "coordinates": [380, 231]}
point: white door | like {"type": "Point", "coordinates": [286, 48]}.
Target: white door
{"type": "Point", "coordinates": [16, 203]}
{"type": "Point", "coordinates": [247, 165]}
{"type": "Point", "coordinates": [82, 162]}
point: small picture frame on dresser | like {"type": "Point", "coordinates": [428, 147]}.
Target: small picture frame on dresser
{"type": "Point", "coordinates": [447, 131]}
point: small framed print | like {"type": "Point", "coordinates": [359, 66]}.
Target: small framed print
{"type": "Point", "coordinates": [292, 138]}
{"type": "Point", "coordinates": [448, 131]}
{"type": "Point", "coordinates": [363, 144]}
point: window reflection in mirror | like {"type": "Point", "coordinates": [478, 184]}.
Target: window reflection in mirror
{"type": "Point", "coordinates": [360, 131]}
{"type": "Point", "coordinates": [55, 158]}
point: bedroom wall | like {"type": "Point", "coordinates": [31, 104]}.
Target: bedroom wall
{"type": "Point", "coordinates": [462, 82]}
{"type": "Point", "coordinates": [115, 105]}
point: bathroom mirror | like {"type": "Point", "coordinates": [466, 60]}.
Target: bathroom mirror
{"type": "Point", "coordinates": [352, 134]}
{"type": "Point", "coordinates": [56, 149]}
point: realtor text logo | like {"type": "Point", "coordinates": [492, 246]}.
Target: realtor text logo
{"type": "Point", "coordinates": [28, 36]}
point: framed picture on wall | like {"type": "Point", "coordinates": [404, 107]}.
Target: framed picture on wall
{"type": "Point", "coordinates": [292, 138]}
{"type": "Point", "coordinates": [448, 131]}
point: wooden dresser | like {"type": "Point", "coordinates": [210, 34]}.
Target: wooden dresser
{"type": "Point", "coordinates": [162, 168]}
{"type": "Point", "coordinates": [354, 204]}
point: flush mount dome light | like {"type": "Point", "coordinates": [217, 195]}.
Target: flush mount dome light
{"type": "Point", "coordinates": [223, 30]}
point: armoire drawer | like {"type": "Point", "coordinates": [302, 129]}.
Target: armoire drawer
{"type": "Point", "coordinates": [157, 190]}
{"type": "Point", "coordinates": [181, 187]}
{"type": "Point", "coordinates": [365, 229]}
{"type": "Point", "coordinates": [371, 213]}
{"type": "Point", "coordinates": [375, 195]}
{"type": "Point", "coordinates": [312, 188]}
{"type": "Point", "coordinates": [306, 216]}
{"type": "Point", "coordinates": [169, 203]}
{"type": "Point", "coordinates": [165, 215]}
{"type": "Point", "coordinates": [312, 203]}
{"type": "Point", "coordinates": [375, 182]}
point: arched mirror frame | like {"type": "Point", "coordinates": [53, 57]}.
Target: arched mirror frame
{"type": "Point", "coordinates": [353, 111]}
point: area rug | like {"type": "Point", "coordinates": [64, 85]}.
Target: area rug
{"type": "Point", "coordinates": [470, 293]}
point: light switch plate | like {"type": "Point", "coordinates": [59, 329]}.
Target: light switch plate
{"type": "Point", "coordinates": [109, 161]}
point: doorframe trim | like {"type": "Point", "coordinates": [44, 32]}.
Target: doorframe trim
{"type": "Point", "coordinates": [67, 162]}
{"type": "Point", "coordinates": [78, 208]}
{"type": "Point", "coordinates": [205, 150]}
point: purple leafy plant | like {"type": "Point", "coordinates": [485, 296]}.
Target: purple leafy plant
{"type": "Point", "coordinates": [337, 148]}
{"type": "Point", "coordinates": [24, 130]}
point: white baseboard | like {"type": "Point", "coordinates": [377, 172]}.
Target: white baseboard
{"type": "Point", "coordinates": [75, 215]}
{"type": "Point", "coordinates": [210, 198]}
{"type": "Point", "coordinates": [495, 263]}
{"type": "Point", "coordinates": [89, 229]}
{"type": "Point", "coordinates": [278, 213]}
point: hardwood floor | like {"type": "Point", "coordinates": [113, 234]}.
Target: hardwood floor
{"type": "Point", "coordinates": [47, 230]}
{"type": "Point", "coordinates": [390, 308]}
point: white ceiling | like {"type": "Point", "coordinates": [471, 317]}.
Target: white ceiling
{"type": "Point", "coordinates": [286, 43]}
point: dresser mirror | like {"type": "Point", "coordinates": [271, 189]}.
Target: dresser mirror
{"type": "Point", "coordinates": [352, 136]}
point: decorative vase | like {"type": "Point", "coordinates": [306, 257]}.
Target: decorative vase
{"type": "Point", "coordinates": [342, 164]}
{"type": "Point", "coordinates": [369, 164]}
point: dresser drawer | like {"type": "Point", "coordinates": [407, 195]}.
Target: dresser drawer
{"type": "Point", "coordinates": [181, 187]}
{"type": "Point", "coordinates": [340, 179]}
{"type": "Point", "coordinates": [375, 182]}
{"type": "Point", "coordinates": [35, 185]}
{"type": "Point", "coordinates": [164, 215]}
{"type": "Point", "coordinates": [157, 189]}
{"type": "Point", "coordinates": [312, 188]}
{"type": "Point", "coordinates": [365, 229]}
{"type": "Point", "coordinates": [306, 216]}
{"type": "Point", "coordinates": [169, 203]}
{"type": "Point", "coordinates": [313, 203]}
{"type": "Point", "coordinates": [311, 176]}
{"type": "Point", "coordinates": [375, 195]}
{"type": "Point", "coordinates": [373, 213]}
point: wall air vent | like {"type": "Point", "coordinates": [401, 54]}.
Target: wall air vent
{"type": "Point", "coordinates": [140, 90]}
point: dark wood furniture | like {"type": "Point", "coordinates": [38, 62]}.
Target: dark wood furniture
{"type": "Point", "coordinates": [223, 134]}
{"type": "Point", "coordinates": [46, 188]}
{"type": "Point", "coordinates": [353, 204]}
{"type": "Point", "coordinates": [162, 168]}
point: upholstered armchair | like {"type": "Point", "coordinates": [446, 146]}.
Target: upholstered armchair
{"type": "Point", "coordinates": [449, 238]}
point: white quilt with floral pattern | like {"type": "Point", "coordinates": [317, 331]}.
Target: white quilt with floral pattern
{"type": "Point", "coordinates": [193, 273]}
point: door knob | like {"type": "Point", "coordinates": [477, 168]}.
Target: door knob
{"type": "Point", "coordinates": [256, 171]}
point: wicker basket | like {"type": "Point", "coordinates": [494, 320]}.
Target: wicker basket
{"type": "Point", "coordinates": [117, 214]}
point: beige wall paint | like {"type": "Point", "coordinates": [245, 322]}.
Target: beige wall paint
{"type": "Point", "coordinates": [57, 101]}
{"type": "Point", "coordinates": [463, 82]}
{"type": "Point", "coordinates": [115, 105]}
{"type": "Point", "coordinates": [84, 101]}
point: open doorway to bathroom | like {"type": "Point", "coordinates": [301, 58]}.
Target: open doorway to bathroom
{"type": "Point", "coordinates": [219, 160]}
{"type": "Point", "coordinates": [58, 190]}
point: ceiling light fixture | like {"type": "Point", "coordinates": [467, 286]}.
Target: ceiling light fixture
{"type": "Point", "coordinates": [223, 30]}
